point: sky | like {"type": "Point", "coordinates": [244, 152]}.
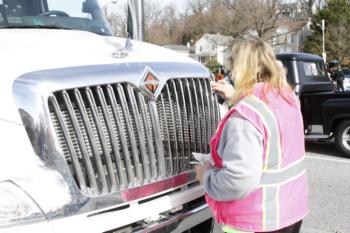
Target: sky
{"type": "Point", "coordinates": [178, 3]}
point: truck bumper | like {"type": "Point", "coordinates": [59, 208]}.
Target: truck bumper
{"type": "Point", "coordinates": [42, 227]}
{"type": "Point", "coordinates": [176, 224]}
{"type": "Point", "coordinates": [175, 212]}
{"type": "Point", "coordinates": [181, 222]}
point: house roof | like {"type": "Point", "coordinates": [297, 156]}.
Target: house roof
{"type": "Point", "coordinates": [180, 48]}
{"type": "Point", "coordinates": [294, 26]}
{"type": "Point", "coordinates": [218, 39]}
{"type": "Point", "coordinates": [205, 54]}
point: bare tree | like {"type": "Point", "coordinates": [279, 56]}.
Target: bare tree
{"type": "Point", "coordinates": [173, 23]}
{"type": "Point", "coordinates": [233, 17]}
{"type": "Point", "coordinates": [116, 17]}
{"type": "Point", "coordinates": [153, 15]}
{"type": "Point", "coordinates": [215, 19]}
{"type": "Point", "coordinates": [310, 5]}
{"type": "Point", "coordinates": [198, 5]}
{"type": "Point", "coordinates": [163, 25]}
{"type": "Point", "coordinates": [337, 39]}
{"type": "Point", "coordinates": [259, 16]}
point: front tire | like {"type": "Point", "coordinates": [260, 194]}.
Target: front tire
{"type": "Point", "coordinates": [342, 137]}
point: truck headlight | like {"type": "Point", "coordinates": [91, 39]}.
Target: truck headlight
{"type": "Point", "coordinates": [16, 206]}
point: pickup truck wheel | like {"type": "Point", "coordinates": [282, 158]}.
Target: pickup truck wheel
{"type": "Point", "coordinates": [342, 137]}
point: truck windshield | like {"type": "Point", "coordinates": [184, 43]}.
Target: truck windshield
{"type": "Point", "coordinates": [83, 15]}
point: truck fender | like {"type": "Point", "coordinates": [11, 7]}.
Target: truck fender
{"type": "Point", "coordinates": [334, 111]}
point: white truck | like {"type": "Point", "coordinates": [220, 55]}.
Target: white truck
{"type": "Point", "coordinates": [97, 132]}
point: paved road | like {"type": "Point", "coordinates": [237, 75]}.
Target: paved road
{"type": "Point", "coordinates": [329, 194]}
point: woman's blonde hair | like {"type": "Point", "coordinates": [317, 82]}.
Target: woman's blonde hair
{"type": "Point", "coordinates": [254, 61]}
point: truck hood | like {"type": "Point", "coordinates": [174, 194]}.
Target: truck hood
{"type": "Point", "coordinates": [28, 50]}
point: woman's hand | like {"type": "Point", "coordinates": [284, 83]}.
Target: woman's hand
{"type": "Point", "coordinates": [223, 89]}
{"type": "Point", "coordinates": [200, 169]}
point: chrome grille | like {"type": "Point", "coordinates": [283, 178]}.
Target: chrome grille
{"type": "Point", "coordinates": [113, 137]}
{"type": "Point", "coordinates": [188, 116]}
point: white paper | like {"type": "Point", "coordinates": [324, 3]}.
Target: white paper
{"type": "Point", "coordinates": [200, 157]}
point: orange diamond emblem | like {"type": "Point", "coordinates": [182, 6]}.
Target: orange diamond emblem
{"type": "Point", "coordinates": [151, 83]}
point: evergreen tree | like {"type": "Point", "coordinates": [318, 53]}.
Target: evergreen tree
{"type": "Point", "coordinates": [337, 31]}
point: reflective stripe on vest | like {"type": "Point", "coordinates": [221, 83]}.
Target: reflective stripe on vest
{"type": "Point", "coordinates": [273, 176]}
{"type": "Point", "coordinates": [228, 229]}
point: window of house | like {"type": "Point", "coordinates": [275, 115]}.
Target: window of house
{"type": "Point", "coordinates": [282, 39]}
{"type": "Point", "coordinates": [274, 40]}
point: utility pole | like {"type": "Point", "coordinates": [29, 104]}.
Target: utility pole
{"type": "Point", "coordinates": [323, 42]}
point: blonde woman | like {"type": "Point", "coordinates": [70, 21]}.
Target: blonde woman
{"type": "Point", "coordinates": [258, 182]}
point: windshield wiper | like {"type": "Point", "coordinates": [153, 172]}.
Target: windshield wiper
{"type": "Point", "coordinates": [35, 26]}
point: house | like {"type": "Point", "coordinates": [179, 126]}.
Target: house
{"type": "Point", "coordinates": [186, 50]}
{"type": "Point", "coordinates": [290, 37]}
{"type": "Point", "coordinates": [293, 10]}
{"type": "Point", "coordinates": [297, 10]}
{"type": "Point", "coordinates": [213, 46]}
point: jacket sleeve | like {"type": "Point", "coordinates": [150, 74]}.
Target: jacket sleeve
{"type": "Point", "coordinates": [241, 149]}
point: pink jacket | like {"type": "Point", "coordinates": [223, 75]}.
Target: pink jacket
{"type": "Point", "coordinates": [281, 198]}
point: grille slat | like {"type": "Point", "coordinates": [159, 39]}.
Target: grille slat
{"type": "Point", "coordinates": [139, 130]}
{"type": "Point", "coordinates": [81, 142]}
{"type": "Point", "coordinates": [92, 141]}
{"type": "Point", "coordinates": [166, 137]}
{"type": "Point", "coordinates": [210, 121]}
{"type": "Point", "coordinates": [114, 138]}
{"type": "Point", "coordinates": [198, 120]}
{"type": "Point", "coordinates": [187, 139]}
{"type": "Point", "coordinates": [148, 131]}
{"type": "Point", "coordinates": [203, 118]}
{"type": "Point", "coordinates": [157, 139]}
{"type": "Point", "coordinates": [74, 158]}
{"type": "Point", "coordinates": [193, 127]}
{"type": "Point", "coordinates": [217, 117]}
{"type": "Point", "coordinates": [121, 134]}
{"type": "Point", "coordinates": [179, 129]}
{"type": "Point", "coordinates": [111, 178]}
{"type": "Point", "coordinates": [132, 138]}
{"type": "Point", "coordinates": [173, 131]}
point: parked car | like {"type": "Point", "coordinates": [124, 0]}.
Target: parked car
{"type": "Point", "coordinates": [346, 73]}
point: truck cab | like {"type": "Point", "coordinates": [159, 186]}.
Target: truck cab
{"type": "Point", "coordinates": [97, 132]}
{"type": "Point", "coordinates": [326, 113]}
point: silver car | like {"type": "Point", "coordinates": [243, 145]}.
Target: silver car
{"type": "Point", "coordinates": [346, 79]}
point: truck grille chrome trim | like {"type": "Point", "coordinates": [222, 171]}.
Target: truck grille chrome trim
{"type": "Point", "coordinates": [115, 138]}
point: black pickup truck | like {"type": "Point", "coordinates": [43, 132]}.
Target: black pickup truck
{"type": "Point", "coordinates": [326, 113]}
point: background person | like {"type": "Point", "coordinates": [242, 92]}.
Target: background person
{"type": "Point", "coordinates": [258, 182]}
{"type": "Point", "coordinates": [337, 75]}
